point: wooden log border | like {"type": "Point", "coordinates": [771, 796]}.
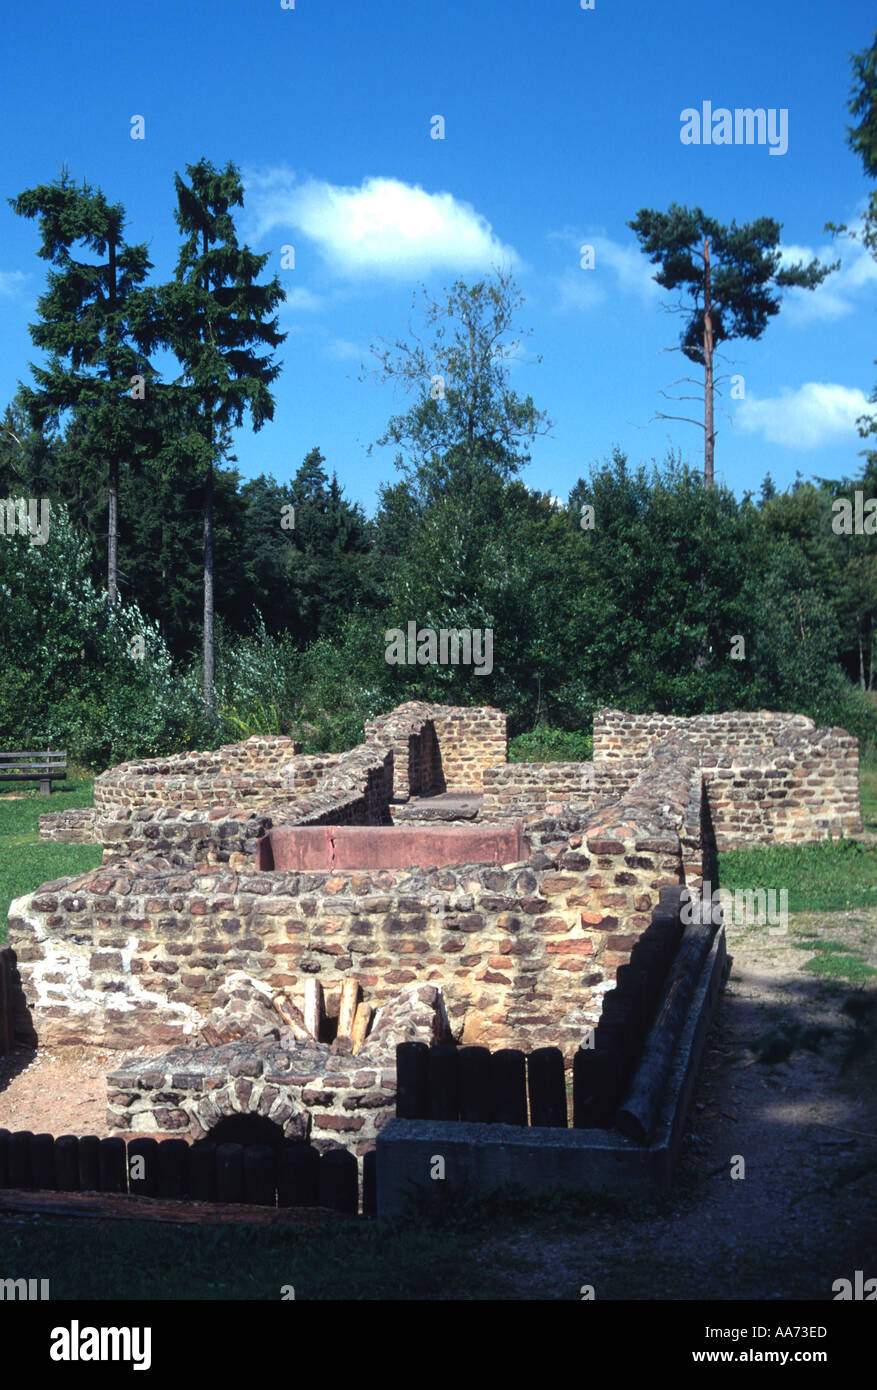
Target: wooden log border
{"type": "Point", "coordinates": [284, 1175]}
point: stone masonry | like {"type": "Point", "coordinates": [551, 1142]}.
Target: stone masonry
{"type": "Point", "coordinates": [134, 951]}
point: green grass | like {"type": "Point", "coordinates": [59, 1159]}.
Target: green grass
{"type": "Point", "coordinates": [25, 860]}
{"type": "Point", "coordinates": [832, 876]}
{"type": "Point", "coordinates": [424, 1254]}
{"type": "Point", "coordinates": [143, 1260]}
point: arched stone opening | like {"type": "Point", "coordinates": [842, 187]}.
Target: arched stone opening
{"type": "Point", "coordinates": [247, 1130]}
{"type": "Point", "coordinates": [243, 1097]}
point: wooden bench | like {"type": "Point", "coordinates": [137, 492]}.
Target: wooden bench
{"type": "Point", "coordinates": [31, 767]}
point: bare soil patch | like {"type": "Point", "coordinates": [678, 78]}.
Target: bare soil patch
{"type": "Point", "coordinates": [58, 1092]}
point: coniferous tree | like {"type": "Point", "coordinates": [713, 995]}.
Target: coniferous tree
{"type": "Point", "coordinates": [727, 278]}
{"type": "Point", "coordinates": [215, 318]}
{"type": "Point", "coordinates": [96, 325]}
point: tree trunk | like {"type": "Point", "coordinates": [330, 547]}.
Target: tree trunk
{"type": "Point", "coordinates": [708, 428]}
{"type": "Point", "coordinates": [113, 532]}
{"type": "Point", "coordinates": [113, 481]}
{"type": "Point", "coordinates": [209, 645]}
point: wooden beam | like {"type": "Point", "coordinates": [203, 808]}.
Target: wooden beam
{"type": "Point", "coordinates": [350, 992]}
{"type": "Point", "coordinates": [292, 1017]}
{"type": "Point", "coordinates": [361, 1025]}
{"type": "Point", "coordinates": [315, 1009]}
{"type": "Point", "coordinates": [106, 1206]}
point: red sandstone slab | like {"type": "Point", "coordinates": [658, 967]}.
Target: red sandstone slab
{"type": "Point", "coordinates": [331, 848]}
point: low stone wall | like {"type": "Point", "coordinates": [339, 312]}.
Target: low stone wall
{"type": "Point", "coordinates": [528, 789]}
{"type": "Point", "coordinates": [311, 1091]}
{"type": "Point", "coordinates": [134, 951]}
{"type": "Point", "coordinates": [77, 827]}
{"type": "Point", "coordinates": [408, 732]}
{"type": "Point", "coordinates": [470, 740]}
{"type": "Point", "coordinates": [439, 747]}
{"type": "Point", "coordinates": [199, 778]}
{"type": "Point", "coordinates": [771, 777]}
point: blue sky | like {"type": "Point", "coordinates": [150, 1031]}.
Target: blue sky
{"type": "Point", "coordinates": [560, 124]}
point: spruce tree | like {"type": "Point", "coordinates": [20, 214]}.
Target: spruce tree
{"type": "Point", "coordinates": [96, 326]}
{"type": "Point", "coordinates": [215, 316]}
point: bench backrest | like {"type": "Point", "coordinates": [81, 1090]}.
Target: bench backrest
{"type": "Point", "coordinates": [44, 764]}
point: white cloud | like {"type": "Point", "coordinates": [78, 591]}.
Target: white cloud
{"type": "Point", "coordinates": [840, 293]}
{"type": "Point", "coordinates": [618, 268]}
{"type": "Point", "coordinates": [819, 412]}
{"type": "Point", "coordinates": [300, 298]}
{"type": "Point", "coordinates": [10, 281]}
{"type": "Point", "coordinates": [342, 350]}
{"type": "Point", "coordinates": [383, 227]}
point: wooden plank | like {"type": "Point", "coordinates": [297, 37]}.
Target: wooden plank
{"type": "Point", "coordinates": [476, 1087]}
{"type": "Point", "coordinates": [350, 992]}
{"type": "Point", "coordinates": [338, 1177]}
{"type": "Point", "coordinates": [443, 1083]}
{"type": "Point", "coordinates": [361, 1025]}
{"type": "Point", "coordinates": [315, 1009]}
{"type": "Point", "coordinates": [42, 759]}
{"type": "Point", "coordinates": [116, 1207]}
{"type": "Point", "coordinates": [42, 1160]}
{"type": "Point", "coordinates": [230, 1172]}
{"type": "Point", "coordinates": [298, 1168]}
{"type": "Point", "coordinates": [509, 1076]}
{"type": "Point", "coordinates": [34, 775]}
{"type": "Point", "coordinates": [260, 1175]}
{"type": "Point", "coordinates": [39, 753]}
{"type": "Point", "coordinates": [546, 1084]}
{"type": "Point", "coordinates": [412, 1096]}
{"type": "Point", "coordinates": [173, 1161]}
{"type": "Point", "coordinates": [292, 1017]}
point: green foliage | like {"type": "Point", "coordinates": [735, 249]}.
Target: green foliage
{"type": "Point", "coordinates": [466, 426]}
{"type": "Point", "coordinates": [745, 271]}
{"type": "Point", "coordinates": [546, 745]}
{"type": "Point", "coordinates": [74, 676]}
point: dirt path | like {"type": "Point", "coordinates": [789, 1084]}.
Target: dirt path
{"type": "Point", "coordinates": [805, 1213]}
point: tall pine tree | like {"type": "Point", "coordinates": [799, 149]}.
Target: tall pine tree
{"type": "Point", "coordinates": [727, 278]}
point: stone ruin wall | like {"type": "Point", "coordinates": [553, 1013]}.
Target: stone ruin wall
{"type": "Point", "coordinates": [525, 789]}
{"type": "Point", "coordinates": [134, 951]}
{"type": "Point", "coordinates": [771, 777]}
{"type": "Point", "coordinates": [310, 1091]}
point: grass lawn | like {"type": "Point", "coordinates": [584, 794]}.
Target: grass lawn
{"type": "Point", "coordinates": [833, 876]}
{"type": "Point", "coordinates": [339, 1260]}
{"type": "Point", "coordinates": [25, 861]}
{"type": "Point", "coordinates": [425, 1254]}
